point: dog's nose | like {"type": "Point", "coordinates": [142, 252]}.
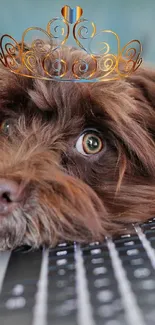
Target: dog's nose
{"type": "Point", "coordinates": [9, 195]}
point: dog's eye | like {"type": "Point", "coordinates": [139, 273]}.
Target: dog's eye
{"type": "Point", "coordinates": [5, 126]}
{"type": "Point", "coordinates": [89, 143]}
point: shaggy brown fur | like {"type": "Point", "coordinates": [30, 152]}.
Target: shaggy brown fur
{"type": "Point", "coordinates": [62, 194]}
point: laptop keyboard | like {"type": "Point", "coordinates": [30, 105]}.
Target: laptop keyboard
{"type": "Point", "coordinates": [109, 283]}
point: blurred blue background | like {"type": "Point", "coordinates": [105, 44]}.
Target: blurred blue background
{"type": "Point", "coordinates": [130, 19]}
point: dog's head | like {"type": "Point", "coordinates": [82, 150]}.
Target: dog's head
{"type": "Point", "coordinates": [77, 161]}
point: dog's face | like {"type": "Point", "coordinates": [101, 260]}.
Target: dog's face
{"type": "Point", "coordinates": [77, 161]}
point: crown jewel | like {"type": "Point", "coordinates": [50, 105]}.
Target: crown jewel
{"type": "Point", "coordinates": [43, 57]}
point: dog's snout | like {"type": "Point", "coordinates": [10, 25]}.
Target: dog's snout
{"type": "Point", "coordinates": [10, 194]}
{"type": "Point", "coordinates": [9, 190]}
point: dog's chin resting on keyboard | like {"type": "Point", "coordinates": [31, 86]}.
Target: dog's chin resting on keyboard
{"type": "Point", "coordinates": [77, 160]}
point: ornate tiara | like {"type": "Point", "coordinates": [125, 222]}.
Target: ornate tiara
{"type": "Point", "coordinates": [44, 58]}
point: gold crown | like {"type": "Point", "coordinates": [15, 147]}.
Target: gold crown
{"type": "Point", "coordinates": [42, 57]}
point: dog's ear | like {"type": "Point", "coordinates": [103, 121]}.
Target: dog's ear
{"type": "Point", "coordinates": [143, 81]}
{"type": "Point", "coordinates": [143, 91]}
{"type": "Point", "coordinates": [129, 114]}
{"type": "Point", "coordinates": [142, 126]}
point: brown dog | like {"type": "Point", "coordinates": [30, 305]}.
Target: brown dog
{"type": "Point", "coordinates": [77, 161]}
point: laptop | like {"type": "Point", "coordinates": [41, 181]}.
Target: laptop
{"type": "Point", "coordinates": [109, 283]}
